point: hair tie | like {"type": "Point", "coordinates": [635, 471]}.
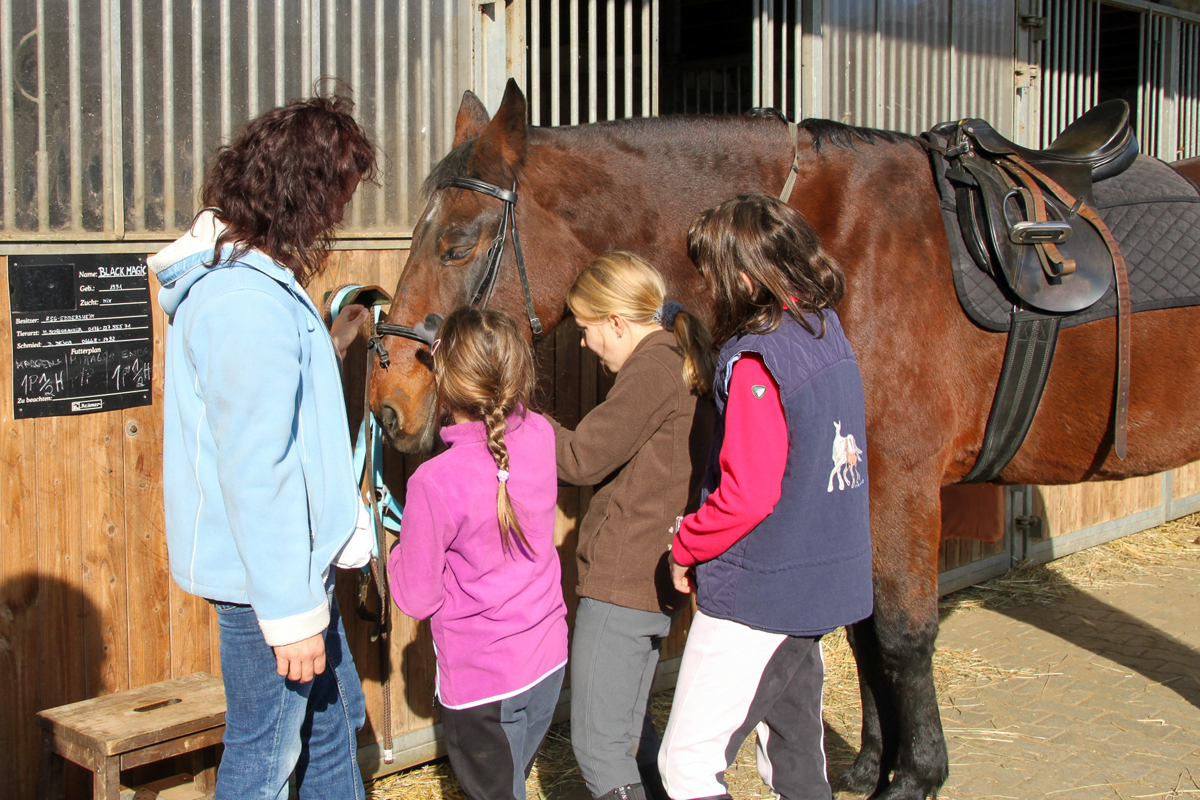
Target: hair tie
{"type": "Point", "coordinates": [502, 475]}
{"type": "Point", "coordinates": [665, 314]}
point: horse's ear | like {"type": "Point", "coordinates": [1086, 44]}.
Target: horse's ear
{"type": "Point", "coordinates": [502, 143]}
{"type": "Point", "coordinates": [472, 118]}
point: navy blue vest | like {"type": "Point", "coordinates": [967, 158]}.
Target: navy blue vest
{"type": "Point", "coordinates": [806, 568]}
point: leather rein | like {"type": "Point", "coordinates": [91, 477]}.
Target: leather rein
{"type": "Point", "coordinates": [426, 331]}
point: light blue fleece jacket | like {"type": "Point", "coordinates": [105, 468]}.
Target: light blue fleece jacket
{"type": "Point", "coordinates": [257, 474]}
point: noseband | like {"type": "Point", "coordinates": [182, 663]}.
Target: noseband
{"type": "Point", "coordinates": [426, 330]}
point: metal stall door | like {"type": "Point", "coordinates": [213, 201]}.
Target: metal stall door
{"type": "Point", "coordinates": [1096, 51]}
{"type": "Point", "coordinates": [777, 65]}
{"type": "Point", "coordinates": [110, 109]}
{"type": "Point", "coordinates": [1156, 114]}
{"type": "Point", "coordinates": [1070, 66]}
{"type": "Point", "coordinates": [902, 66]}
{"type": "Point", "coordinates": [1189, 90]}
{"type": "Point", "coordinates": [592, 60]}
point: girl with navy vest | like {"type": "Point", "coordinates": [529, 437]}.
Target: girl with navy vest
{"type": "Point", "coordinates": [780, 552]}
{"type": "Point", "coordinates": [476, 555]}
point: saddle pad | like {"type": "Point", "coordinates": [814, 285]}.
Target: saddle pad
{"type": "Point", "coordinates": [1152, 211]}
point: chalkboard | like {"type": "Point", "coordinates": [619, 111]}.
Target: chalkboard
{"type": "Point", "coordinates": [81, 333]}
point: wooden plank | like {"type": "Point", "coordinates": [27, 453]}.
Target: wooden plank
{"type": "Point", "coordinates": [174, 747]}
{"type": "Point", "coordinates": [66, 612]}
{"type": "Point", "coordinates": [97, 450]}
{"type": "Point", "coordinates": [118, 723]}
{"type": "Point", "coordinates": [1185, 481]}
{"type": "Point", "coordinates": [567, 357]}
{"type": "Point", "coordinates": [51, 770]}
{"type": "Point", "coordinates": [148, 593]}
{"type": "Point", "coordinates": [20, 623]}
{"type": "Point", "coordinates": [1067, 509]}
{"type": "Point", "coordinates": [193, 643]}
{"type": "Point", "coordinates": [76, 753]}
{"type": "Point", "coordinates": [107, 777]}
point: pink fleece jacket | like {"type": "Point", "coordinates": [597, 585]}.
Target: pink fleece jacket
{"type": "Point", "coordinates": [498, 618]}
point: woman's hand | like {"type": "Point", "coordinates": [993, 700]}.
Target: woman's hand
{"type": "Point", "coordinates": [301, 660]}
{"type": "Point", "coordinates": [681, 576]}
{"type": "Point", "coordinates": [345, 326]}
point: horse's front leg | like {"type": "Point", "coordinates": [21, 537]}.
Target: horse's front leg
{"type": "Point", "coordinates": [865, 776]}
{"type": "Point", "coordinates": [903, 752]}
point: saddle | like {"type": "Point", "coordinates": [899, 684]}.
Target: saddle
{"type": "Point", "coordinates": [1028, 218]}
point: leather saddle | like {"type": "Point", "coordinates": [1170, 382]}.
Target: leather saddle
{"type": "Point", "coordinates": [1028, 216]}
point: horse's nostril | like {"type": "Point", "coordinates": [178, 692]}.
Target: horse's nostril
{"type": "Point", "coordinates": [391, 419]}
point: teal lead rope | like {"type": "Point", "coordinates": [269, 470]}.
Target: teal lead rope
{"type": "Point", "coordinates": [385, 516]}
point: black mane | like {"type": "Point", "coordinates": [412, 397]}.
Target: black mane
{"type": "Point", "coordinates": [842, 135]}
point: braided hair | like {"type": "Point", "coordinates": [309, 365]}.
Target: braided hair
{"type": "Point", "coordinates": [483, 368]}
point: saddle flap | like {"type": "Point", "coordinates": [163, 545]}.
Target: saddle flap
{"type": "Point", "coordinates": [997, 217]}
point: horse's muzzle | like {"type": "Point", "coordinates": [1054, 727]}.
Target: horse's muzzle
{"type": "Point", "coordinates": [392, 421]}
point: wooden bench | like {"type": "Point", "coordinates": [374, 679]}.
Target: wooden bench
{"type": "Point", "coordinates": [128, 729]}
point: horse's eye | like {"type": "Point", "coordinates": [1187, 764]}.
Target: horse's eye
{"type": "Point", "coordinates": [457, 254]}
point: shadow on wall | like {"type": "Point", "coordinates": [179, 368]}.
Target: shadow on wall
{"type": "Point", "coordinates": [51, 653]}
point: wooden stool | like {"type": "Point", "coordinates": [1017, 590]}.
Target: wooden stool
{"type": "Point", "coordinates": [128, 729]}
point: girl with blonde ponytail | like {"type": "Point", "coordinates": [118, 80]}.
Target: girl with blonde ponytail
{"type": "Point", "coordinates": [649, 435]}
{"type": "Point", "coordinates": [476, 555]}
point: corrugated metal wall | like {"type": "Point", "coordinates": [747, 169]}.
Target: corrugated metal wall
{"type": "Point", "coordinates": [1069, 66]}
{"type": "Point", "coordinates": [109, 108]}
{"type": "Point", "coordinates": [893, 64]}
{"type": "Point", "coordinates": [1189, 90]}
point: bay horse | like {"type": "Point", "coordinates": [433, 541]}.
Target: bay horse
{"type": "Point", "coordinates": [929, 373]}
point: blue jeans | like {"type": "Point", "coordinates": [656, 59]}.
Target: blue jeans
{"type": "Point", "coordinates": [274, 726]}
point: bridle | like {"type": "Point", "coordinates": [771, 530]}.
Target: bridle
{"type": "Point", "coordinates": [426, 330]}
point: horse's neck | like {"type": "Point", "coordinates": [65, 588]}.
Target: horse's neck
{"type": "Point", "coordinates": [623, 178]}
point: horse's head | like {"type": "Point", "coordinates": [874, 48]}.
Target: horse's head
{"type": "Point", "coordinates": [446, 264]}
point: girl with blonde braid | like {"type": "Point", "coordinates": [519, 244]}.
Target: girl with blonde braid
{"type": "Point", "coordinates": [476, 555]}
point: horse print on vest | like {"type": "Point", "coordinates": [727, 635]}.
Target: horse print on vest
{"type": "Point", "coordinates": [846, 456]}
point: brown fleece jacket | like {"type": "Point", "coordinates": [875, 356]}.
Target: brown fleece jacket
{"type": "Point", "coordinates": [650, 432]}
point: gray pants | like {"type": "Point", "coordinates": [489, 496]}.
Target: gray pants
{"type": "Point", "coordinates": [613, 656]}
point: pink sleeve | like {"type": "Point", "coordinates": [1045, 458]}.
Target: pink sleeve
{"type": "Point", "coordinates": [418, 559]}
{"type": "Point", "coordinates": [752, 461]}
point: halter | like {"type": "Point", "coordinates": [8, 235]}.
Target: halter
{"type": "Point", "coordinates": [426, 330]}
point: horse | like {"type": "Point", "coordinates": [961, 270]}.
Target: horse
{"type": "Point", "coordinates": [929, 373]}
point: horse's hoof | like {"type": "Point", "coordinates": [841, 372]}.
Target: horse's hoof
{"type": "Point", "coordinates": [862, 777]}
{"type": "Point", "coordinates": [905, 788]}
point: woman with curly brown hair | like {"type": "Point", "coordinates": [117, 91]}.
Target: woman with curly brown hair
{"type": "Point", "coordinates": [261, 499]}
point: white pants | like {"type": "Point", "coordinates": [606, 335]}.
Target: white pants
{"type": "Point", "coordinates": [734, 678]}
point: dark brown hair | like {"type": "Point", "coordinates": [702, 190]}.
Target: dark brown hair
{"type": "Point", "coordinates": [483, 368]}
{"type": "Point", "coordinates": [771, 243]}
{"type": "Point", "coordinates": [284, 182]}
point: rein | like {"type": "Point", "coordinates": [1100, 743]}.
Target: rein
{"type": "Point", "coordinates": [426, 331]}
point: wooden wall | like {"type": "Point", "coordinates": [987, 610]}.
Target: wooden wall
{"type": "Point", "coordinates": [87, 606]}
{"type": "Point", "coordinates": [1068, 509]}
